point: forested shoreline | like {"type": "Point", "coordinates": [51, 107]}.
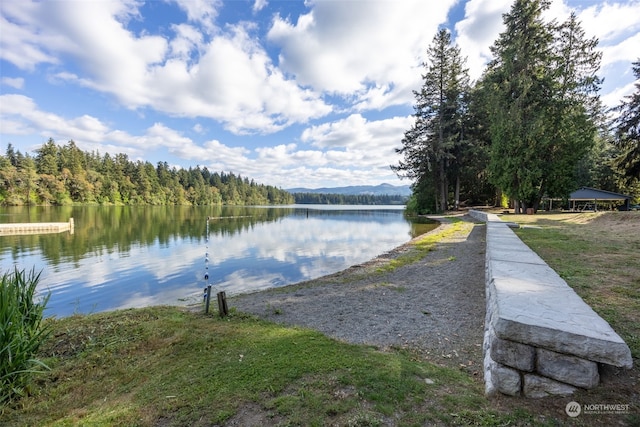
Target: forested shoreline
{"type": "Point", "coordinates": [64, 175]}
{"type": "Point", "coordinates": [348, 199]}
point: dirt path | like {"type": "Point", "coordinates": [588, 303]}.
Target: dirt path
{"type": "Point", "coordinates": [435, 306]}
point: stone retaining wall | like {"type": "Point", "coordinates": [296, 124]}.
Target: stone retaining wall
{"type": "Point", "coordinates": [540, 337]}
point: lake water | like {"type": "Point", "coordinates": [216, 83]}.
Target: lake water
{"type": "Point", "coordinates": [122, 256]}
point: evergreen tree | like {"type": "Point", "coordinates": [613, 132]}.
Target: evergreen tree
{"type": "Point", "coordinates": [515, 88]}
{"type": "Point", "coordinates": [627, 131]}
{"type": "Point", "coordinates": [574, 110]}
{"type": "Point", "coordinates": [541, 89]}
{"type": "Point", "coordinates": [12, 156]}
{"type": "Point", "coordinates": [432, 147]}
{"type": "Point", "coordinates": [47, 158]}
{"type": "Point", "coordinates": [72, 158]}
{"type": "Point", "coordinates": [475, 188]}
{"type": "Point", "coordinates": [597, 170]}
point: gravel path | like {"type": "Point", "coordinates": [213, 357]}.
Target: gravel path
{"type": "Point", "coordinates": [435, 306]}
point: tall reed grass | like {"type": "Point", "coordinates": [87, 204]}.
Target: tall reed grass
{"type": "Point", "coordinates": [21, 332]}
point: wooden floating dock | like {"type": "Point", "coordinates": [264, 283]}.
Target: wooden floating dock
{"type": "Point", "coordinates": [20, 229]}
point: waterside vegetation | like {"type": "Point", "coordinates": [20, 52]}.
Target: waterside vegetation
{"type": "Point", "coordinates": [425, 244]}
{"type": "Point", "coordinates": [22, 332]}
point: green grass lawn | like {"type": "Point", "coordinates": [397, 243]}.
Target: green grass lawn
{"type": "Point", "coordinates": [598, 254]}
{"type": "Point", "coordinates": [168, 366]}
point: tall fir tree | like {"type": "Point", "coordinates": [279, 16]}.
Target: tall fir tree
{"type": "Point", "coordinates": [574, 111]}
{"type": "Point", "coordinates": [47, 158]}
{"type": "Point", "coordinates": [516, 88]}
{"type": "Point", "coordinates": [627, 132]}
{"type": "Point", "coordinates": [432, 147]}
{"type": "Point", "coordinates": [542, 92]}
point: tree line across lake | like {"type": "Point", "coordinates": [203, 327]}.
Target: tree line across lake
{"type": "Point", "coordinates": [62, 175]}
{"type": "Point", "coordinates": [349, 199]}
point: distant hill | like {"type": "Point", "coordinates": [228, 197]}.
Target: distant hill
{"type": "Point", "coordinates": [374, 190]}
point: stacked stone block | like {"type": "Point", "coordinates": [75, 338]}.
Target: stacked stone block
{"type": "Point", "coordinates": [540, 338]}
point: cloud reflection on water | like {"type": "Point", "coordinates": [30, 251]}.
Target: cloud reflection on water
{"type": "Point", "coordinates": [289, 249]}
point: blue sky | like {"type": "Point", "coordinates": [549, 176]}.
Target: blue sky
{"type": "Point", "coordinates": [289, 93]}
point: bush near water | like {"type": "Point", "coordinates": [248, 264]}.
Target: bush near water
{"type": "Point", "coordinates": [21, 333]}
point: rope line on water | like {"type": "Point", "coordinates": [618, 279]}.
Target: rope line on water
{"type": "Point", "coordinates": [206, 259]}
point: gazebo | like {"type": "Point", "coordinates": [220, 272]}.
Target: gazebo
{"type": "Point", "coordinates": [587, 197]}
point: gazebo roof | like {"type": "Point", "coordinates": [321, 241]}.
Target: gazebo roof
{"type": "Point", "coordinates": [588, 193]}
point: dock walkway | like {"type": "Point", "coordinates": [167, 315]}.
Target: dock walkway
{"type": "Point", "coordinates": [14, 229]}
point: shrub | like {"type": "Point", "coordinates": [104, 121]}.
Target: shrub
{"type": "Point", "coordinates": [21, 333]}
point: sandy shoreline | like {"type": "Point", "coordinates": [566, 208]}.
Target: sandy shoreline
{"type": "Point", "coordinates": [435, 306]}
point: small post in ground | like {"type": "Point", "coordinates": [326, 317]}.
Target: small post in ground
{"type": "Point", "coordinates": [222, 304]}
{"type": "Point", "coordinates": [207, 296]}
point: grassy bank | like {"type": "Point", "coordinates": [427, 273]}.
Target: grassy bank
{"type": "Point", "coordinates": [166, 366]}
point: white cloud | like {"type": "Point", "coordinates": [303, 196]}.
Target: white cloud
{"type": "Point", "coordinates": [20, 115]}
{"type": "Point", "coordinates": [609, 21]}
{"type": "Point", "coordinates": [21, 43]}
{"type": "Point", "coordinates": [229, 78]}
{"type": "Point", "coordinates": [258, 5]}
{"type": "Point", "coordinates": [625, 51]}
{"type": "Point", "coordinates": [279, 154]}
{"type": "Point", "coordinates": [160, 135]}
{"type": "Point", "coordinates": [356, 132]}
{"type": "Point", "coordinates": [112, 59]}
{"type": "Point", "coordinates": [558, 10]}
{"type": "Point", "coordinates": [187, 41]}
{"type": "Point", "coordinates": [478, 30]}
{"type": "Point", "coordinates": [617, 96]}
{"type": "Point", "coordinates": [16, 83]}
{"type": "Point", "coordinates": [359, 52]}
{"type": "Point", "coordinates": [617, 27]}
{"type": "Point", "coordinates": [250, 95]}
{"type": "Point", "coordinates": [203, 12]}
{"type": "Point", "coordinates": [352, 150]}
